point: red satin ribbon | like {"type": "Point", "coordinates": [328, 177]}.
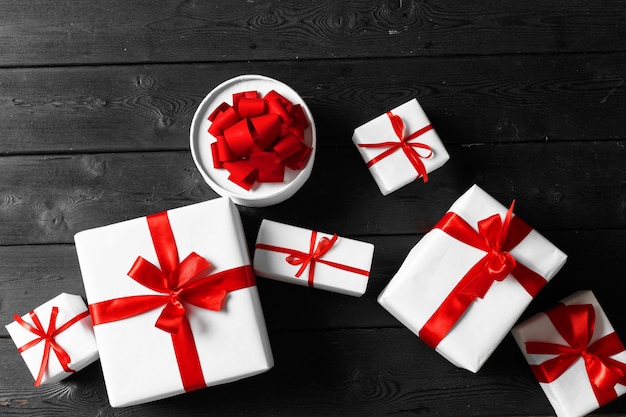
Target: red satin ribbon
{"type": "Point", "coordinates": [315, 254]}
{"type": "Point", "coordinates": [576, 324]}
{"type": "Point", "coordinates": [252, 128]}
{"type": "Point", "coordinates": [178, 283]}
{"type": "Point", "coordinates": [497, 238]}
{"type": "Point", "coordinates": [409, 148]}
{"type": "Point", "coordinates": [48, 336]}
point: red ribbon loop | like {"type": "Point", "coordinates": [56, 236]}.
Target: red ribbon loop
{"type": "Point", "coordinates": [576, 324]}
{"type": "Point", "coordinates": [48, 336]}
{"type": "Point", "coordinates": [497, 237]}
{"type": "Point", "coordinates": [175, 285]}
{"type": "Point", "coordinates": [410, 149]}
{"type": "Point", "coordinates": [314, 254]}
{"type": "Point", "coordinates": [253, 126]}
{"type": "Point", "coordinates": [309, 259]}
{"type": "Point", "coordinates": [178, 284]}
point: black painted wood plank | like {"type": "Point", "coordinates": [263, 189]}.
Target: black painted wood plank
{"type": "Point", "coordinates": [579, 185]}
{"type": "Point", "coordinates": [334, 373]}
{"type": "Point", "coordinates": [96, 101]}
{"type": "Point", "coordinates": [468, 99]}
{"type": "Point", "coordinates": [46, 32]}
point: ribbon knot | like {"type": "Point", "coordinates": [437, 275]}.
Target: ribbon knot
{"type": "Point", "coordinates": [576, 324]}
{"type": "Point", "coordinates": [500, 265]}
{"type": "Point", "coordinates": [497, 237]}
{"type": "Point", "coordinates": [174, 279]}
{"type": "Point", "coordinates": [315, 253]}
{"type": "Point", "coordinates": [177, 284]}
{"type": "Point", "coordinates": [48, 337]}
{"type": "Point", "coordinates": [495, 231]}
{"type": "Point", "coordinates": [409, 148]}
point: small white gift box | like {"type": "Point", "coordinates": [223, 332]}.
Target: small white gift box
{"type": "Point", "coordinates": [466, 282]}
{"type": "Point", "coordinates": [306, 257]}
{"type": "Point", "coordinates": [55, 339]}
{"type": "Point", "coordinates": [400, 146]}
{"type": "Point", "coordinates": [575, 353]}
{"type": "Point", "coordinates": [174, 302]}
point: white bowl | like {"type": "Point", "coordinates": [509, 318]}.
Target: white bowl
{"type": "Point", "coordinates": [261, 194]}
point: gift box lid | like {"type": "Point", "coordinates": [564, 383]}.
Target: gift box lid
{"type": "Point", "coordinates": [139, 360]}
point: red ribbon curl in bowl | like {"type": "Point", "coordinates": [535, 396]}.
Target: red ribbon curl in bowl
{"type": "Point", "coordinates": [258, 137]}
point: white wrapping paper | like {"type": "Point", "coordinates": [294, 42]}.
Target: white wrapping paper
{"type": "Point", "coordinates": [395, 170]}
{"type": "Point", "coordinates": [571, 395]}
{"type": "Point", "coordinates": [138, 359]}
{"type": "Point", "coordinates": [438, 262]}
{"type": "Point", "coordinates": [349, 252]}
{"type": "Point", "coordinates": [77, 340]}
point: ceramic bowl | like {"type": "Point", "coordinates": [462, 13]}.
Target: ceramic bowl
{"type": "Point", "coordinates": [261, 194]}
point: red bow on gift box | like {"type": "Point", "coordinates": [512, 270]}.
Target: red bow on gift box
{"type": "Point", "coordinates": [308, 259]}
{"type": "Point", "coordinates": [48, 337]}
{"type": "Point", "coordinates": [257, 138]}
{"type": "Point", "coordinates": [178, 283]}
{"type": "Point", "coordinates": [497, 238]}
{"type": "Point", "coordinates": [409, 148]}
{"type": "Point", "coordinates": [576, 324]}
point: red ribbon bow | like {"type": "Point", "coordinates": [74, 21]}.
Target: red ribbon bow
{"type": "Point", "coordinates": [497, 238]}
{"type": "Point", "coordinates": [178, 283]}
{"type": "Point", "coordinates": [48, 336]}
{"type": "Point", "coordinates": [256, 138]}
{"type": "Point", "coordinates": [315, 254]}
{"type": "Point", "coordinates": [576, 324]}
{"type": "Point", "coordinates": [409, 148]}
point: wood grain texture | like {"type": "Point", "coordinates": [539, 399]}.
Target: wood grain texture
{"type": "Point", "coordinates": [579, 185]}
{"type": "Point", "coordinates": [468, 99]}
{"type": "Point", "coordinates": [335, 373]}
{"type": "Point", "coordinates": [96, 102]}
{"type": "Point", "coordinates": [49, 32]}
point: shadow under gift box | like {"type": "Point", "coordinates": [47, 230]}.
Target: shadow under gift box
{"type": "Point", "coordinates": [437, 264]}
{"type": "Point", "coordinates": [139, 361]}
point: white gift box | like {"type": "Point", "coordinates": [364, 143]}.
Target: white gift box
{"type": "Point", "coordinates": [396, 170]}
{"type": "Point", "coordinates": [344, 268]}
{"type": "Point", "coordinates": [138, 359]}
{"type": "Point", "coordinates": [571, 394]}
{"type": "Point", "coordinates": [77, 340]}
{"type": "Point", "coordinates": [436, 265]}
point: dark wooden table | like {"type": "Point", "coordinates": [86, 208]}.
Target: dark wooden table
{"type": "Point", "coordinates": [96, 101]}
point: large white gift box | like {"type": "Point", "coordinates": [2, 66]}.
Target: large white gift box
{"type": "Point", "coordinates": [174, 302]}
{"type": "Point", "coordinates": [466, 282]}
{"type": "Point", "coordinates": [400, 146]}
{"type": "Point", "coordinates": [55, 339]}
{"type": "Point", "coordinates": [306, 257]}
{"type": "Point", "coordinates": [575, 353]}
